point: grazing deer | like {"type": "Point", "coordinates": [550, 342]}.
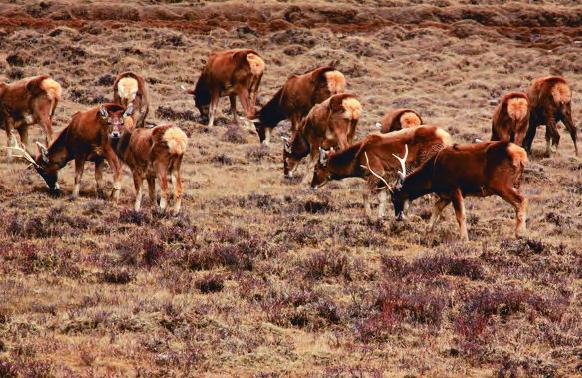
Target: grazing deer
{"type": "Point", "coordinates": [131, 88]}
{"type": "Point", "coordinates": [27, 102]}
{"type": "Point", "coordinates": [296, 98]}
{"type": "Point", "coordinates": [371, 159]}
{"type": "Point", "coordinates": [229, 73]}
{"type": "Point", "coordinates": [399, 119]}
{"type": "Point", "coordinates": [510, 118]}
{"type": "Point", "coordinates": [330, 124]}
{"type": "Point", "coordinates": [86, 138]}
{"type": "Point", "coordinates": [154, 153]}
{"type": "Point", "coordinates": [550, 102]}
{"type": "Point", "coordinates": [479, 170]}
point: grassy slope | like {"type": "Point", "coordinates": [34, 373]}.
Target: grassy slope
{"type": "Point", "coordinates": [299, 281]}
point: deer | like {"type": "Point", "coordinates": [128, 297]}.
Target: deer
{"type": "Point", "coordinates": [399, 119]}
{"type": "Point", "coordinates": [130, 87]}
{"type": "Point", "coordinates": [511, 118]}
{"type": "Point", "coordinates": [480, 170]}
{"type": "Point", "coordinates": [371, 159]}
{"type": "Point", "coordinates": [233, 73]}
{"type": "Point", "coordinates": [154, 153]}
{"type": "Point", "coordinates": [550, 101]}
{"type": "Point", "coordinates": [26, 102]}
{"type": "Point", "coordinates": [86, 138]}
{"type": "Point", "coordinates": [295, 99]}
{"type": "Point", "coordinates": [331, 123]}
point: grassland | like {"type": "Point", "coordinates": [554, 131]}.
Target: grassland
{"type": "Point", "coordinates": [260, 275]}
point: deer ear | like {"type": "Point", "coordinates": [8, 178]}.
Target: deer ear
{"type": "Point", "coordinates": [128, 110]}
{"type": "Point", "coordinates": [43, 152]}
{"type": "Point", "coordinates": [286, 145]}
{"type": "Point", "coordinates": [103, 112]}
{"type": "Point", "coordinates": [323, 156]}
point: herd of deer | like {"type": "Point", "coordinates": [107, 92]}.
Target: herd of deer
{"type": "Point", "coordinates": [323, 123]}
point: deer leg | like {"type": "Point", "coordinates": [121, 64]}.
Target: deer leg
{"type": "Point", "coordinates": [47, 125]}
{"type": "Point", "coordinates": [23, 132]}
{"type": "Point", "coordinates": [232, 99]}
{"type": "Point", "coordinates": [244, 99]}
{"type": "Point", "coordinates": [162, 172]}
{"type": "Point", "coordinates": [439, 206]}
{"type": "Point", "coordinates": [212, 109]}
{"type": "Point", "coordinates": [178, 189]}
{"type": "Point", "coordinates": [459, 206]}
{"type": "Point", "coordinates": [531, 132]}
{"type": "Point", "coordinates": [268, 131]}
{"type": "Point", "coordinates": [79, 168]}
{"type": "Point", "coordinates": [138, 185]}
{"type": "Point", "coordinates": [310, 166]}
{"type": "Point", "coordinates": [382, 206]}
{"type": "Point", "coordinates": [519, 202]}
{"type": "Point", "coordinates": [116, 166]}
{"type": "Point", "coordinates": [152, 188]}
{"type": "Point", "coordinates": [552, 135]}
{"type": "Point", "coordinates": [99, 165]}
{"type": "Point", "coordinates": [566, 118]}
{"type": "Point", "coordinates": [10, 140]}
{"type": "Point", "coordinates": [367, 207]}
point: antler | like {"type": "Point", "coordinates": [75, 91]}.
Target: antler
{"type": "Point", "coordinates": [372, 171]}
{"type": "Point", "coordinates": [25, 155]}
{"type": "Point", "coordinates": [403, 162]}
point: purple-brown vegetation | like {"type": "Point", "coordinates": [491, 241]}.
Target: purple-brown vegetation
{"type": "Point", "coordinates": [260, 276]}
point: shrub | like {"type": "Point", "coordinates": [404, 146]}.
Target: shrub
{"type": "Point", "coordinates": [211, 283]}
{"type": "Point", "coordinates": [446, 264]}
{"type": "Point", "coordinates": [394, 266]}
{"type": "Point", "coordinates": [419, 305]}
{"type": "Point", "coordinates": [506, 301]}
{"type": "Point", "coordinates": [523, 247]}
{"type": "Point", "coordinates": [470, 326]}
{"type": "Point", "coordinates": [223, 159]}
{"type": "Point", "coordinates": [317, 207]}
{"type": "Point", "coordinates": [234, 134]}
{"type": "Point", "coordinates": [134, 217]}
{"type": "Point", "coordinates": [7, 369]}
{"type": "Point", "coordinates": [117, 276]}
{"type": "Point", "coordinates": [257, 153]}
{"type": "Point", "coordinates": [326, 264]}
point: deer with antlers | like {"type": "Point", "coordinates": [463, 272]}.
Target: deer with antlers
{"type": "Point", "coordinates": [372, 159]}
{"type": "Point", "coordinates": [479, 170]}
{"type": "Point", "coordinates": [86, 138]}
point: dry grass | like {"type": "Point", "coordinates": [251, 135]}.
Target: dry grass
{"type": "Point", "coordinates": [259, 275]}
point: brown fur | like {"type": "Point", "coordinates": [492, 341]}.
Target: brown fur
{"type": "Point", "coordinates": [511, 118]}
{"type": "Point", "coordinates": [154, 153]}
{"type": "Point", "coordinates": [26, 102]}
{"type": "Point", "coordinates": [296, 98]}
{"type": "Point", "coordinates": [330, 124]}
{"type": "Point", "coordinates": [400, 118]}
{"type": "Point", "coordinates": [481, 170]}
{"type": "Point", "coordinates": [423, 143]}
{"type": "Point", "coordinates": [229, 73]}
{"type": "Point", "coordinates": [550, 102]}
{"type": "Point", "coordinates": [141, 102]}
{"type": "Point", "coordinates": [86, 138]}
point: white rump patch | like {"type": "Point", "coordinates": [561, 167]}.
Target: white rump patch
{"type": "Point", "coordinates": [352, 108]}
{"type": "Point", "coordinates": [336, 82]}
{"type": "Point", "coordinates": [561, 93]}
{"type": "Point", "coordinates": [127, 88]}
{"type": "Point", "coordinates": [517, 108]}
{"type": "Point", "coordinates": [409, 119]}
{"type": "Point", "coordinates": [256, 64]}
